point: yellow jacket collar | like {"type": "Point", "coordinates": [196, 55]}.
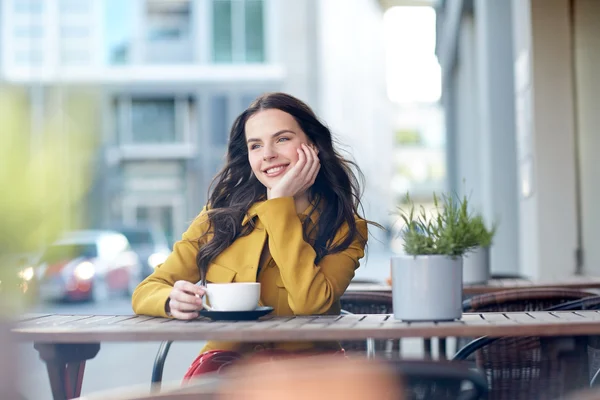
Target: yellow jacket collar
{"type": "Point", "coordinates": [253, 212]}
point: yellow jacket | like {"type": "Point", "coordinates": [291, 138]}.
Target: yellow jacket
{"type": "Point", "coordinates": [291, 283]}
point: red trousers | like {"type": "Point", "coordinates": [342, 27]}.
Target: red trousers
{"type": "Point", "coordinates": [220, 360]}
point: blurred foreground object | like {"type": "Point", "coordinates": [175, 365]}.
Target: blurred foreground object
{"type": "Point", "coordinates": [44, 178]}
{"type": "Point", "coordinates": [8, 372]}
{"type": "Point", "coordinates": [316, 378]}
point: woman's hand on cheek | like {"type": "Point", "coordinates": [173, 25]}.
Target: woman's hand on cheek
{"type": "Point", "coordinates": [300, 177]}
{"type": "Point", "coordinates": [311, 168]}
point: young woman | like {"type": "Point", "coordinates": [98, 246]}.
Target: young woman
{"type": "Point", "coordinates": [284, 211]}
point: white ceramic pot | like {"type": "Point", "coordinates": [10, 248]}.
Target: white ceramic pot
{"type": "Point", "coordinates": [427, 288]}
{"type": "Point", "coordinates": [476, 266]}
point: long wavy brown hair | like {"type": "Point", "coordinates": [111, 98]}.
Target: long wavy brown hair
{"type": "Point", "coordinates": [235, 188]}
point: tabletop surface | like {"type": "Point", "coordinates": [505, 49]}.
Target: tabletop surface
{"type": "Point", "coordinates": [55, 328]}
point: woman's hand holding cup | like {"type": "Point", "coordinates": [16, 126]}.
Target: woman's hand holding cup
{"type": "Point", "coordinates": [185, 300]}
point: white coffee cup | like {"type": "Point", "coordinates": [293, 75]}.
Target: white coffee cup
{"type": "Point", "coordinates": [238, 296]}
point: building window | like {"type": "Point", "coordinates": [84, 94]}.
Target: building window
{"type": "Point", "coordinates": [254, 26]}
{"type": "Point", "coordinates": [28, 32]}
{"type": "Point", "coordinates": [219, 120]}
{"type": "Point", "coordinates": [74, 6]}
{"type": "Point", "coordinates": [238, 31]}
{"type": "Point", "coordinates": [118, 17]}
{"type": "Point", "coordinates": [29, 6]}
{"type": "Point", "coordinates": [153, 121]}
{"type": "Point", "coordinates": [74, 32]}
{"type": "Point", "coordinates": [168, 21]}
{"type": "Point", "coordinates": [247, 99]}
{"type": "Point", "coordinates": [168, 27]}
{"type": "Point", "coordinates": [160, 120]}
{"type": "Point", "coordinates": [160, 216]}
{"type": "Point", "coordinates": [74, 57]}
{"type": "Point", "coordinates": [223, 109]}
{"type": "Point", "coordinates": [29, 57]}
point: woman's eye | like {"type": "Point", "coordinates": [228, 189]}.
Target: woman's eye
{"type": "Point", "coordinates": [282, 139]}
{"type": "Point", "coordinates": [254, 146]}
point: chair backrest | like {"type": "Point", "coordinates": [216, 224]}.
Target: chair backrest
{"type": "Point", "coordinates": [587, 303]}
{"type": "Point", "coordinates": [368, 303]}
{"type": "Point", "coordinates": [525, 299]}
{"type": "Point", "coordinates": [502, 275]}
{"type": "Point", "coordinates": [366, 281]}
{"type": "Point", "coordinates": [440, 380]}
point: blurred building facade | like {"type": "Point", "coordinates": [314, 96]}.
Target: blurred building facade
{"type": "Point", "coordinates": [521, 111]}
{"type": "Point", "coordinates": [170, 77]}
{"type": "Point", "coordinates": [419, 152]}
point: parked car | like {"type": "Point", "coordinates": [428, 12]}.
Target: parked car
{"type": "Point", "coordinates": [150, 244]}
{"type": "Point", "coordinates": [87, 265]}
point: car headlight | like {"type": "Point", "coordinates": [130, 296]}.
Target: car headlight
{"type": "Point", "coordinates": [26, 274]}
{"type": "Point", "coordinates": [156, 259]}
{"type": "Point", "coordinates": [85, 270]}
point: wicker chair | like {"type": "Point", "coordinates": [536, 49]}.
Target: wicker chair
{"type": "Point", "coordinates": [523, 300]}
{"type": "Point", "coordinates": [365, 281]}
{"type": "Point", "coordinates": [595, 382]}
{"type": "Point", "coordinates": [535, 367]}
{"type": "Point", "coordinates": [501, 275]}
{"type": "Point", "coordinates": [519, 300]}
{"type": "Point", "coordinates": [589, 303]}
{"type": "Point", "coordinates": [369, 303]}
{"type": "Point", "coordinates": [439, 380]}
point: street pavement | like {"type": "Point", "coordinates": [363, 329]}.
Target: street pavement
{"type": "Point", "coordinates": [125, 364]}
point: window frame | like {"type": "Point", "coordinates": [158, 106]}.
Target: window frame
{"type": "Point", "coordinates": [183, 115]}
{"type": "Point", "coordinates": [239, 53]}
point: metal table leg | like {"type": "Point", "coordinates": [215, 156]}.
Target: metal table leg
{"type": "Point", "coordinates": [370, 348]}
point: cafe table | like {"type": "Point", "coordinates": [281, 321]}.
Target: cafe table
{"type": "Point", "coordinates": [497, 285]}
{"type": "Point", "coordinates": [65, 342]}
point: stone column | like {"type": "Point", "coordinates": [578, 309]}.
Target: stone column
{"type": "Point", "coordinates": [496, 153]}
{"type": "Point", "coordinates": [545, 138]}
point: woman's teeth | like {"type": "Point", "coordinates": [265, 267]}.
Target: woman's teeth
{"type": "Point", "coordinates": [274, 170]}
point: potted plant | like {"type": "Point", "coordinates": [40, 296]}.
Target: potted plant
{"type": "Point", "coordinates": [427, 280]}
{"type": "Point", "coordinates": [476, 263]}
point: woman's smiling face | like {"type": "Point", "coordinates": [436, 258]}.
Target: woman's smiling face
{"type": "Point", "coordinates": [273, 138]}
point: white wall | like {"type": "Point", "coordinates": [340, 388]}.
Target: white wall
{"type": "Point", "coordinates": [465, 133]}
{"type": "Point", "coordinates": [545, 137]}
{"type": "Point", "coordinates": [587, 64]}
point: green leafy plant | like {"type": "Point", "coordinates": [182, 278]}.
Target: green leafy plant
{"type": "Point", "coordinates": [450, 230]}
{"type": "Point", "coordinates": [483, 235]}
